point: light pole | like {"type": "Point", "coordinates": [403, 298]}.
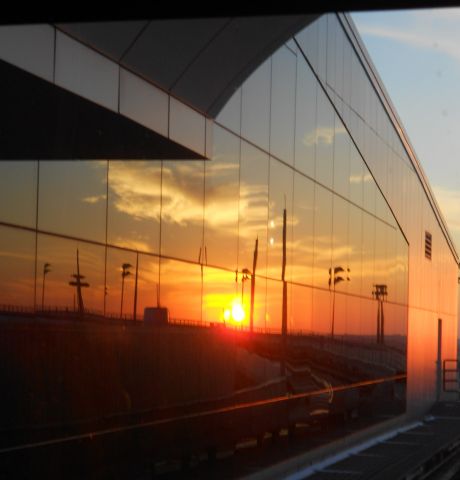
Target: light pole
{"type": "Point", "coordinates": [46, 270]}
{"type": "Point", "coordinates": [246, 273]}
{"type": "Point", "coordinates": [334, 279]}
{"type": "Point", "coordinates": [380, 293]}
{"type": "Point", "coordinates": [124, 273]}
{"type": "Point", "coordinates": [253, 284]}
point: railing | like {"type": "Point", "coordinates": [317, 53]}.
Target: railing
{"type": "Point", "coordinates": [93, 314]}
{"type": "Point", "coordinates": [450, 379]}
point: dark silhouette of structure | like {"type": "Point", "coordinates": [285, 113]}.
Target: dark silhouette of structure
{"type": "Point", "coordinates": [78, 284]}
{"type": "Point", "coordinates": [380, 293]}
{"type": "Point", "coordinates": [253, 284]}
{"type": "Point", "coordinates": [124, 273]}
{"type": "Point", "coordinates": [334, 279]}
{"type": "Point", "coordinates": [46, 270]}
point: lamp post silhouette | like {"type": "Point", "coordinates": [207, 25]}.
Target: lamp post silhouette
{"type": "Point", "coordinates": [253, 284]}
{"type": "Point", "coordinates": [124, 273]}
{"type": "Point", "coordinates": [46, 270]}
{"type": "Point", "coordinates": [334, 279]}
{"type": "Point", "coordinates": [380, 293]}
{"type": "Point", "coordinates": [135, 287]}
{"type": "Point", "coordinates": [284, 327]}
{"type": "Point", "coordinates": [245, 276]}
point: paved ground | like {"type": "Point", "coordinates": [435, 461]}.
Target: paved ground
{"type": "Point", "coordinates": [410, 454]}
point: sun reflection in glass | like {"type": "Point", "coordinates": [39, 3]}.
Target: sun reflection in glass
{"type": "Point", "coordinates": [238, 313]}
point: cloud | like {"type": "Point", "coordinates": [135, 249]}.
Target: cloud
{"type": "Point", "coordinates": [426, 30]}
{"type": "Point", "coordinates": [322, 135]}
{"type": "Point", "coordinates": [138, 188]}
{"type": "Point", "coordinates": [133, 244]}
{"type": "Point", "coordinates": [94, 199]}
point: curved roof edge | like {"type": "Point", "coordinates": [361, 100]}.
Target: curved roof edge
{"type": "Point", "coordinates": [201, 61]}
{"type": "Point", "coordinates": [378, 84]}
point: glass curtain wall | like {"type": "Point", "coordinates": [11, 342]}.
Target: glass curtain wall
{"type": "Point", "coordinates": [287, 203]}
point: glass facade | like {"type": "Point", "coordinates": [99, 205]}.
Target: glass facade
{"type": "Point", "coordinates": [285, 216]}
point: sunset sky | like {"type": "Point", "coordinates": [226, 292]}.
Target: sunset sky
{"type": "Point", "coordinates": [417, 54]}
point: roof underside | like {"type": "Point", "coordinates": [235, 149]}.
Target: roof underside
{"type": "Point", "coordinates": [201, 62]}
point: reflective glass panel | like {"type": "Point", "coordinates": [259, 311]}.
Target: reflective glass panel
{"type": "Point", "coordinates": [255, 116]}
{"type": "Point", "coordinates": [356, 176]}
{"type": "Point", "coordinates": [17, 268]}
{"type": "Point", "coordinates": [230, 115]}
{"type": "Point", "coordinates": [322, 46]}
{"type": "Point", "coordinates": [369, 320]}
{"type": "Point", "coordinates": [339, 314]}
{"type": "Point", "coordinates": [147, 284]}
{"type": "Point", "coordinates": [353, 317]}
{"type": "Point", "coordinates": [302, 225]}
{"type": "Point", "coordinates": [390, 247]}
{"type": "Point", "coordinates": [227, 298]}
{"type": "Point", "coordinates": [340, 41]}
{"type": "Point", "coordinates": [67, 259]}
{"type": "Point", "coordinates": [340, 277]}
{"type": "Point", "coordinates": [221, 201]}
{"type": "Point", "coordinates": [331, 50]}
{"type": "Point", "coordinates": [341, 159]}
{"type": "Point", "coordinates": [382, 210]}
{"type": "Point", "coordinates": [322, 312]}
{"type": "Point", "coordinates": [182, 205]}
{"type": "Point", "coordinates": [283, 105]}
{"type": "Point", "coordinates": [128, 286]}
{"type": "Point", "coordinates": [368, 254]}
{"type": "Point", "coordinates": [323, 237]}
{"type": "Point", "coordinates": [253, 208]}
{"type": "Point", "coordinates": [325, 135]}
{"type": "Point", "coordinates": [355, 249]}
{"type": "Point", "coordinates": [260, 299]}
{"type": "Point", "coordinates": [300, 309]}
{"type": "Point", "coordinates": [134, 205]}
{"type": "Point", "coordinates": [18, 192]}
{"type": "Point", "coordinates": [180, 290]}
{"type": "Point", "coordinates": [381, 264]}
{"type": "Point", "coordinates": [347, 53]}
{"type": "Point", "coordinates": [305, 127]}
{"type": "Point", "coordinates": [401, 269]}
{"type": "Point", "coordinates": [308, 41]}
{"type": "Point", "coordinates": [274, 306]}
{"type": "Point", "coordinates": [73, 198]}
{"type": "Point", "coordinates": [280, 199]}
{"type": "Point", "coordinates": [369, 191]}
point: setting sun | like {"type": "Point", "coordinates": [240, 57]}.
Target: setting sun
{"type": "Point", "coordinates": [238, 313]}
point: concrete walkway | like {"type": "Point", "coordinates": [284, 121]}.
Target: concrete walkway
{"type": "Point", "coordinates": [407, 453]}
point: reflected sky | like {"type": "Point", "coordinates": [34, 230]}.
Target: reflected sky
{"type": "Point", "coordinates": [72, 198]}
{"type": "Point", "coordinates": [18, 192]}
{"type": "Point", "coordinates": [210, 213]}
{"type": "Point", "coordinates": [17, 267]}
{"type": "Point", "coordinates": [134, 205]}
{"type": "Point", "coordinates": [61, 254]}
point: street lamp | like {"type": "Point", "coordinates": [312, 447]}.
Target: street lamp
{"type": "Point", "coordinates": [380, 293]}
{"type": "Point", "coordinates": [246, 276]}
{"type": "Point", "coordinates": [334, 279]}
{"type": "Point", "coordinates": [124, 273]}
{"type": "Point", "coordinates": [46, 270]}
